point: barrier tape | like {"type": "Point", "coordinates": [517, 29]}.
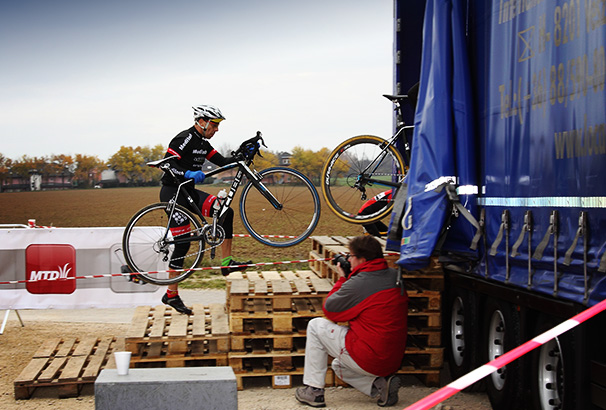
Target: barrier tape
{"type": "Point", "coordinates": [110, 275]}
{"type": "Point", "coordinates": [483, 371]}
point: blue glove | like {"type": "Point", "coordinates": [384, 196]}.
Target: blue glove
{"type": "Point", "coordinates": [197, 176]}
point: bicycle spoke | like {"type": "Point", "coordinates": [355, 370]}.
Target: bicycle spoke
{"type": "Point", "coordinates": [358, 170]}
{"type": "Point", "coordinates": [300, 208]}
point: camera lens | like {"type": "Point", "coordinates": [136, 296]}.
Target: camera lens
{"type": "Point", "coordinates": [345, 265]}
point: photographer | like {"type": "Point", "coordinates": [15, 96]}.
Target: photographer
{"type": "Point", "coordinates": [370, 350]}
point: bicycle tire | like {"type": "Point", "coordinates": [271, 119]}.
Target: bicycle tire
{"type": "Point", "coordinates": [145, 252]}
{"type": "Point", "coordinates": [296, 220]}
{"type": "Point", "coordinates": [343, 167]}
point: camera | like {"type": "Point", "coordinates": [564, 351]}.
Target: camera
{"type": "Point", "coordinates": [345, 265]}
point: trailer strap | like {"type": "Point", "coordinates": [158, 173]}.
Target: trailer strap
{"type": "Point", "coordinates": [527, 227]}
{"type": "Point", "coordinates": [454, 199]}
{"type": "Point", "coordinates": [602, 267]}
{"type": "Point", "coordinates": [503, 228]}
{"type": "Point", "coordinates": [552, 229]}
{"type": "Point", "coordinates": [580, 232]}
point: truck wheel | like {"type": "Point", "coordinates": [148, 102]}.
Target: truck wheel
{"type": "Point", "coordinates": [553, 371]}
{"type": "Point", "coordinates": [502, 334]}
{"type": "Point", "coordinates": [462, 335]}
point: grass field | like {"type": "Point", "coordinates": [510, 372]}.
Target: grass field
{"type": "Point", "coordinates": [114, 207]}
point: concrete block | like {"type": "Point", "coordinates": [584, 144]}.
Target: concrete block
{"type": "Point", "coordinates": [182, 388]}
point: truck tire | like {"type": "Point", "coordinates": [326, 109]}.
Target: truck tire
{"type": "Point", "coordinates": [462, 334]}
{"type": "Point", "coordinates": [502, 333]}
{"type": "Point", "coordinates": [553, 371]}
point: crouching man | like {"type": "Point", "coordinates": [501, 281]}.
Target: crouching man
{"type": "Point", "coordinates": [370, 349]}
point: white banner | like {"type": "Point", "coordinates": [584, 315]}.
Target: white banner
{"type": "Point", "coordinates": [38, 257]}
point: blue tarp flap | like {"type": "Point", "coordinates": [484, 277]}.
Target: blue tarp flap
{"type": "Point", "coordinates": [441, 116]}
{"type": "Point", "coordinates": [461, 231]}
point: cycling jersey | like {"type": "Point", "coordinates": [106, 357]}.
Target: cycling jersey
{"type": "Point", "coordinates": [192, 150]}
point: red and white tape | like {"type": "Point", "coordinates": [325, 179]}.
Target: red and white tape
{"type": "Point", "coordinates": [110, 275]}
{"type": "Point", "coordinates": [483, 371]}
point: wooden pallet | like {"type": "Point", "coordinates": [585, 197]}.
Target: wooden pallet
{"type": "Point", "coordinates": [431, 277]}
{"type": "Point", "coordinates": [324, 247]}
{"type": "Point", "coordinates": [263, 343]}
{"type": "Point", "coordinates": [264, 323]}
{"type": "Point", "coordinates": [66, 364]}
{"type": "Point", "coordinates": [161, 332]}
{"type": "Point", "coordinates": [278, 291]}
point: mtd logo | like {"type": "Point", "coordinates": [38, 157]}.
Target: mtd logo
{"type": "Point", "coordinates": [50, 267]}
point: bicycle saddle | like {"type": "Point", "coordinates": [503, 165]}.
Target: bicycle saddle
{"type": "Point", "coordinates": [394, 98]}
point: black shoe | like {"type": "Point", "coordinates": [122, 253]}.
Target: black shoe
{"type": "Point", "coordinates": [233, 267]}
{"type": "Point", "coordinates": [176, 303]}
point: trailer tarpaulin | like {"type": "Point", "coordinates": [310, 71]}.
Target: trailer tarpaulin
{"type": "Point", "coordinates": [442, 125]}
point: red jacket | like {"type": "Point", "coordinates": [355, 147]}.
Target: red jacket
{"type": "Point", "coordinates": [376, 308]}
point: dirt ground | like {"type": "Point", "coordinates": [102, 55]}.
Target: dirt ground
{"type": "Point", "coordinates": [18, 344]}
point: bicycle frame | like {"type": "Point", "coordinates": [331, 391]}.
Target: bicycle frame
{"type": "Point", "coordinates": [375, 163]}
{"type": "Point", "coordinates": [243, 170]}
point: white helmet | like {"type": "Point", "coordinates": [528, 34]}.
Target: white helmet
{"type": "Point", "coordinates": [208, 112]}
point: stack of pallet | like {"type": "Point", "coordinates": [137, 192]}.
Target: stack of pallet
{"type": "Point", "coordinates": [259, 331]}
{"type": "Point", "coordinates": [161, 337]}
{"type": "Point", "coordinates": [424, 355]}
{"type": "Point", "coordinates": [268, 316]}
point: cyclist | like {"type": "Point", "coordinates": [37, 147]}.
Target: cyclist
{"type": "Point", "coordinates": [191, 148]}
{"type": "Point", "coordinates": [375, 204]}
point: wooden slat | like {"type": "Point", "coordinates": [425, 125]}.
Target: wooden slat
{"type": "Point", "coordinates": [73, 368]}
{"type": "Point", "coordinates": [66, 347]}
{"type": "Point", "coordinates": [32, 370]}
{"type": "Point", "coordinates": [52, 370]}
{"type": "Point", "coordinates": [239, 287]}
{"type": "Point", "coordinates": [320, 285]}
{"type": "Point", "coordinates": [158, 321]}
{"type": "Point", "coordinates": [47, 348]}
{"type": "Point", "coordinates": [290, 275]}
{"type": "Point", "coordinates": [178, 325]}
{"type": "Point", "coordinates": [85, 347]}
{"type": "Point", "coordinates": [220, 325]}
{"type": "Point", "coordinates": [138, 325]}
{"type": "Point", "coordinates": [260, 287]}
{"type": "Point", "coordinates": [96, 360]}
{"type": "Point", "coordinates": [302, 287]}
{"type": "Point", "coordinates": [252, 276]}
{"type": "Point", "coordinates": [281, 286]}
{"type": "Point", "coordinates": [271, 275]}
{"type": "Point", "coordinates": [199, 322]}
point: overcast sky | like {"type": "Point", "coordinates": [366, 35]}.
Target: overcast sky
{"type": "Point", "coordinates": [86, 77]}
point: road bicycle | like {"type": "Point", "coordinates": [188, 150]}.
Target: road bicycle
{"type": "Point", "coordinates": [279, 207]}
{"type": "Point", "coordinates": [365, 166]}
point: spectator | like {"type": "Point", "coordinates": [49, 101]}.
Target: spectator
{"type": "Point", "coordinates": [370, 349]}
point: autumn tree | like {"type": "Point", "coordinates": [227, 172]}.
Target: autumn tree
{"type": "Point", "coordinates": [268, 159]}
{"type": "Point", "coordinates": [128, 163]}
{"type": "Point", "coordinates": [149, 174]}
{"type": "Point", "coordinates": [309, 162]}
{"type": "Point", "coordinates": [87, 170]}
{"type": "Point", "coordinates": [132, 163]}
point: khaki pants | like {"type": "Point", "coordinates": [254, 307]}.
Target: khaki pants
{"type": "Point", "coordinates": [325, 338]}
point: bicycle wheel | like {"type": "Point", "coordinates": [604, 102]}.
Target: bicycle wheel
{"type": "Point", "coordinates": [300, 208]}
{"type": "Point", "coordinates": [148, 244]}
{"type": "Point", "coordinates": [356, 171]}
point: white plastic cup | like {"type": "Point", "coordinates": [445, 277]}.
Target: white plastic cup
{"type": "Point", "coordinates": [122, 362]}
{"type": "Point", "coordinates": [31, 223]}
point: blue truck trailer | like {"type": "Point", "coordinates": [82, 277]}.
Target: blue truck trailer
{"type": "Point", "coordinates": [507, 186]}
